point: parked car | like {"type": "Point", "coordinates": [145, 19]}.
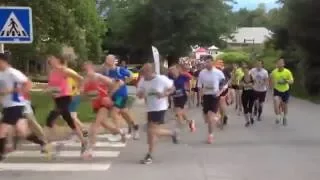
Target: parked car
{"type": "Point", "coordinates": [135, 74]}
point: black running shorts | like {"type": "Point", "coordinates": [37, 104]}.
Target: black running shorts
{"type": "Point", "coordinates": [210, 103]}
{"type": "Point", "coordinates": [11, 115]}
{"type": "Point", "coordinates": [156, 117]}
{"type": "Point", "coordinates": [260, 96]}
{"type": "Point", "coordinates": [180, 102]}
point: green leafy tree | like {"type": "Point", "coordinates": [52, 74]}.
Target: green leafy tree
{"type": "Point", "coordinates": [60, 23]}
{"type": "Point", "coordinates": [172, 26]}
{"type": "Point", "coordinates": [304, 29]}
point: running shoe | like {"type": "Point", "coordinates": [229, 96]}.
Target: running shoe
{"type": "Point", "coordinates": [192, 125]}
{"type": "Point", "coordinates": [277, 121]}
{"type": "Point", "coordinates": [87, 155]}
{"type": "Point", "coordinates": [225, 120]}
{"type": "Point", "coordinates": [284, 121]}
{"type": "Point", "coordinates": [210, 139]}
{"type": "Point", "coordinates": [147, 159]}
{"type": "Point", "coordinates": [136, 134]}
{"type": "Point", "coordinates": [175, 139]}
{"type": "Point", "coordinates": [47, 150]}
{"type": "Point", "coordinates": [251, 120]}
{"type": "Point", "coordinates": [247, 124]}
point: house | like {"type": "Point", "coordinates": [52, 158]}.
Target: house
{"type": "Point", "coordinates": [248, 36]}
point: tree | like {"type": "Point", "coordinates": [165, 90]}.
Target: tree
{"type": "Point", "coordinates": [172, 26]}
{"type": "Point", "coordinates": [304, 29]}
{"type": "Point", "coordinates": [61, 23]}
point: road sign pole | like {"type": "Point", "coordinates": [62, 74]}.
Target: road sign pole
{"type": "Point", "coordinates": [1, 48]}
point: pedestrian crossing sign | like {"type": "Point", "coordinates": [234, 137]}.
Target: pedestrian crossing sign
{"type": "Point", "coordinates": [16, 25]}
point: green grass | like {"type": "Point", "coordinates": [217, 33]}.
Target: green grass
{"type": "Point", "coordinates": [43, 103]}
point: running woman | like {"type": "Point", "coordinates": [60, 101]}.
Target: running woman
{"type": "Point", "coordinates": [183, 69]}
{"type": "Point", "coordinates": [247, 96]}
{"type": "Point", "coordinates": [209, 82]}
{"type": "Point", "coordinates": [13, 84]}
{"type": "Point", "coordinates": [180, 97]}
{"type": "Point", "coordinates": [237, 75]}
{"type": "Point", "coordinates": [195, 88]}
{"type": "Point", "coordinates": [219, 64]}
{"type": "Point", "coordinates": [156, 89]}
{"type": "Point", "coordinates": [74, 83]}
{"type": "Point", "coordinates": [120, 96]}
{"type": "Point", "coordinates": [95, 87]}
{"type": "Point", "coordinates": [260, 86]}
{"type": "Point", "coordinates": [62, 96]}
{"type": "Point", "coordinates": [281, 79]}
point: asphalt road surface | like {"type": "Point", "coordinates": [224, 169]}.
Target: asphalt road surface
{"type": "Point", "coordinates": [263, 152]}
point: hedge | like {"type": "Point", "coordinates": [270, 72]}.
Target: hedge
{"type": "Point", "coordinates": [234, 57]}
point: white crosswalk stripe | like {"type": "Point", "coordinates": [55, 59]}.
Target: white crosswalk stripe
{"type": "Point", "coordinates": [29, 159]}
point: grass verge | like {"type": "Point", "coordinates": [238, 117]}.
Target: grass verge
{"type": "Point", "coordinates": [43, 103]}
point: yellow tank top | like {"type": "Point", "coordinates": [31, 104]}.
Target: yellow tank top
{"type": "Point", "coordinates": [73, 84]}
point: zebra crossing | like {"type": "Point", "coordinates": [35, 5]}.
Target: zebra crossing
{"type": "Point", "coordinates": [29, 159]}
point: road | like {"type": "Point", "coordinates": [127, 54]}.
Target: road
{"type": "Point", "coordinates": [262, 152]}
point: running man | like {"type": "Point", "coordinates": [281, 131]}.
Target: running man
{"type": "Point", "coordinates": [62, 96]}
{"type": "Point", "coordinates": [260, 86]}
{"type": "Point", "coordinates": [33, 124]}
{"type": "Point", "coordinates": [180, 97]}
{"type": "Point", "coordinates": [156, 89]}
{"type": "Point", "coordinates": [281, 79]}
{"type": "Point", "coordinates": [13, 84]}
{"type": "Point", "coordinates": [120, 96]}
{"type": "Point", "coordinates": [95, 87]}
{"type": "Point", "coordinates": [209, 82]}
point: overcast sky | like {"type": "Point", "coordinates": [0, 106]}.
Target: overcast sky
{"type": "Point", "coordinates": [252, 4]}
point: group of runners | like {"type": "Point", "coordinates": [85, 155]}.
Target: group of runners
{"type": "Point", "coordinates": [214, 86]}
{"type": "Point", "coordinates": [106, 90]}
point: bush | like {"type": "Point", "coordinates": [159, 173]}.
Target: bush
{"type": "Point", "coordinates": [234, 57]}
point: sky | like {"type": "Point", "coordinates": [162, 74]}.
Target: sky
{"type": "Point", "coordinates": [252, 4]}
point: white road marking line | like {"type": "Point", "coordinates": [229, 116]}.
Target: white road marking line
{"type": "Point", "coordinates": [77, 144]}
{"type": "Point", "coordinates": [101, 154]}
{"type": "Point", "coordinates": [43, 167]}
